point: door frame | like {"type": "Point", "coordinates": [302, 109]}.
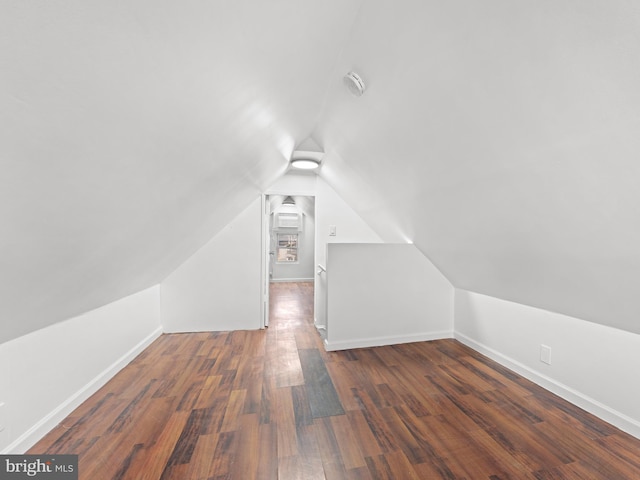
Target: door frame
{"type": "Point", "coordinates": [266, 247]}
{"type": "Point", "coordinates": [266, 261]}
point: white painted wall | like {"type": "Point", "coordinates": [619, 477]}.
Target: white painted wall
{"type": "Point", "coordinates": [381, 294]}
{"type": "Point", "coordinates": [294, 183]}
{"type": "Point", "coordinates": [219, 287]}
{"type": "Point", "coordinates": [332, 210]}
{"type": "Point", "coordinates": [46, 374]}
{"type": "Point", "coordinates": [592, 365]}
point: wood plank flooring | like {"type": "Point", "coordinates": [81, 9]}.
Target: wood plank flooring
{"type": "Point", "coordinates": [273, 404]}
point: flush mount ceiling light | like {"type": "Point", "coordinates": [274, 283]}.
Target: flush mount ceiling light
{"type": "Point", "coordinates": [306, 160]}
{"type": "Point", "coordinates": [354, 83]}
{"type": "Point", "coordinates": [304, 164]}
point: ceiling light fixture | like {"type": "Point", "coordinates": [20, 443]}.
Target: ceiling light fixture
{"type": "Point", "coordinates": [305, 159]}
{"type": "Point", "coordinates": [304, 163]}
{"type": "Point", "coordinates": [354, 83]}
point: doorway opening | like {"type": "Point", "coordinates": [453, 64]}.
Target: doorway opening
{"type": "Point", "coordinates": [289, 245]}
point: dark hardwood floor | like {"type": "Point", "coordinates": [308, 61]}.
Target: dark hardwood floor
{"type": "Point", "coordinates": [273, 404]}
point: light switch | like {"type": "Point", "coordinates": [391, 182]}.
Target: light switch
{"type": "Point", "coordinates": [332, 230]}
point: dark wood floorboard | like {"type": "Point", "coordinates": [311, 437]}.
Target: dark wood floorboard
{"type": "Point", "coordinates": [323, 399]}
{"type": "Point", "coordinates": [273, 404]}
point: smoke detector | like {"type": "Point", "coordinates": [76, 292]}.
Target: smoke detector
{"type": "Point", "coordinates": [354, 83]}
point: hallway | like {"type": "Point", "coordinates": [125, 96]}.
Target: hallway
{"type": "Point", "coordinates": [272, 404]}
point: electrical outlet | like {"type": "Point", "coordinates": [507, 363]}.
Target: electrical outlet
{"type": "Point", "coordinates": [545, 354]}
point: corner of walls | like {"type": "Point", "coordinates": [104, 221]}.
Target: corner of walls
{"type": "Point", "coordinates": [219, 287]}
{"type": "Point", "coordinates": [48, 373]}
{"type": "Point", "coordinates": [589, 362]}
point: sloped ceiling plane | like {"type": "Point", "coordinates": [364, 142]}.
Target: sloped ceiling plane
{"type": "Point", "coordinates": [502, 138]}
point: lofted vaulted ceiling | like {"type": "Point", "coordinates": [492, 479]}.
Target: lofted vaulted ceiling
{"type": "Point", "coordinates": [132, 131]}
{"type": "Point", "coordinates": [502, 138]}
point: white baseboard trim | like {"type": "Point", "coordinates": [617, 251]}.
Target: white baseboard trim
{"type": "Point", "coordinates": [283, 280]}
{"type": "Point", "coordinates": [585, 402]}
{"type": "Point", "coordinates": [47, 423]}
{"type": "Point", "coordinates": [380, 341]}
